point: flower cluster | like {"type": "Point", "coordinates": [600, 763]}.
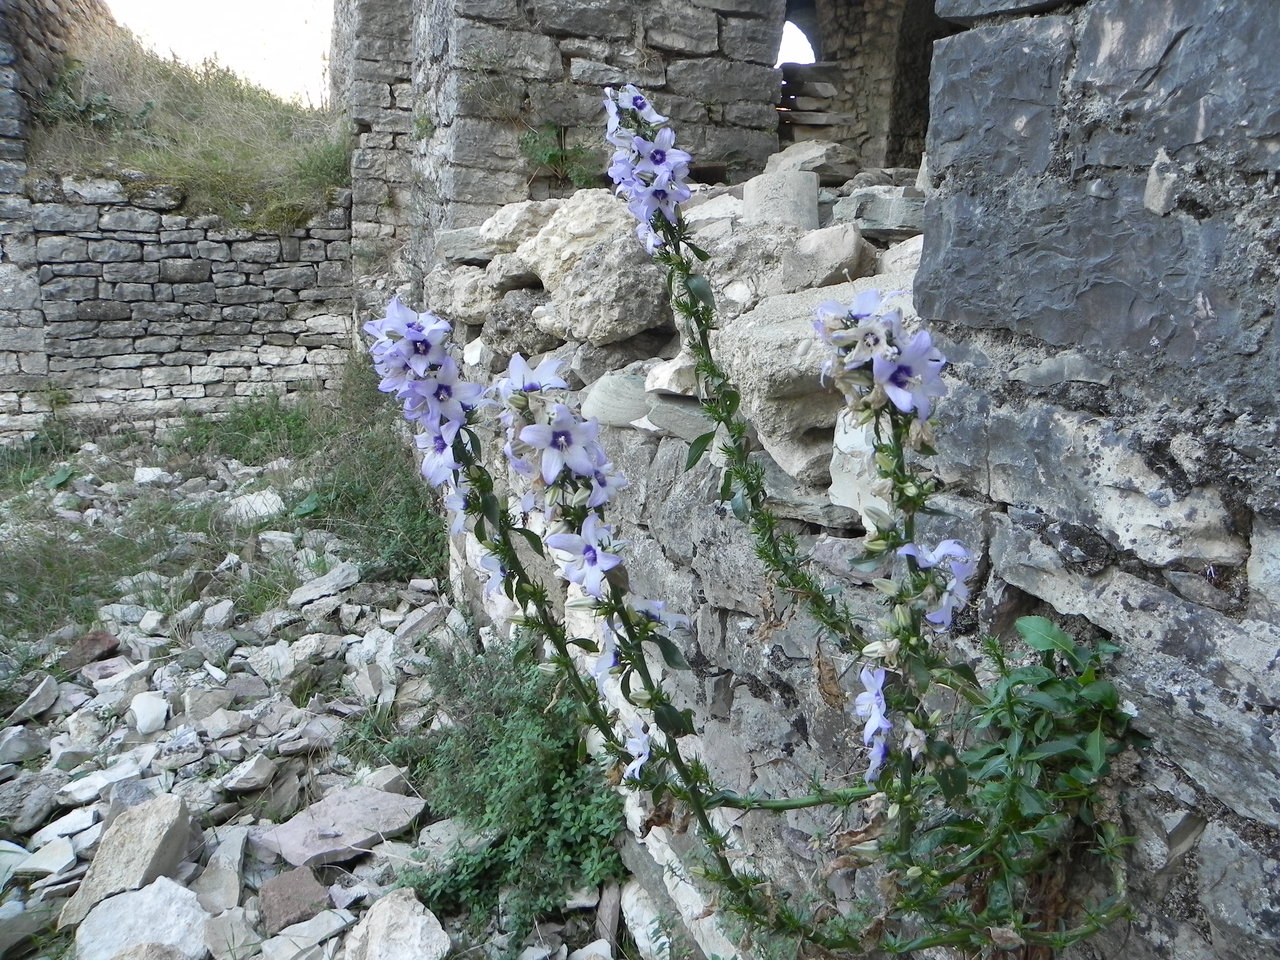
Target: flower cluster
{"type": "Point", "coordinates": [876, 361]}
{"type": "Point", "coordinates": [955, 591]}
{"type": "Point", "coordinates": [409, 353]}
{"type": "Point", "coordinates": [646, 167]}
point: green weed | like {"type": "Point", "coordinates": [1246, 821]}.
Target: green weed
{"type": "Point", "coordinates": [512, 767]}
{"type": "Point", "coordinates": [547, 149]}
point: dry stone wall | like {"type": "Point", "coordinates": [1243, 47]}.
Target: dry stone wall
{"type": "Point", "coordinates": [148, 314]}
{"type": "Point", "coordinates": [1099, 264]}
{"type": "Point", "coordinates": [1101, 254]}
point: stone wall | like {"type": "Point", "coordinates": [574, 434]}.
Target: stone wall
{"type": "Point", "coordinates": [1100, 251]}
{"type": "Point", "coordinates": [148, 314]}
{"type": "Point", "coordinates": [371, 65]}
{"type": "Point", "coordinates": [486, 72]}
{"type": "Point", "coordinates": [1099, 265]}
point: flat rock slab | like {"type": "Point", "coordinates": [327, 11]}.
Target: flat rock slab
{"type": "Point", "coordinates": [163, 914]}
{"type": "Point", "coordinates": [290, 898]}
{"type": "Point", "coordinates": [145, 842]}
{"type": "Point", "coordinates": [339, 578]}
{"type": "Point", "coordinates": [343, 825]}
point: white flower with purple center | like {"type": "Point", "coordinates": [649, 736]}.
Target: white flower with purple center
{"type": "Point", "coordinates": [447, 395]}
{"type": "Point", "coordinates": [911, 379]}
{"type": "Point", "coordinates": [565, 442]}
{"type": "Point", "coordinates": [521, 378]}
{"type": "Point", "coordinates": [955, 595]}
{"type": "Point", "coordinates": [607, 659]}
{"type": "Point", "coordinates": [659, 156]}
{"type": "Point", "coordinates": [638, 746]}
{"type": "Point", "coordinates": [604, 482]}
{"type": "Point", "coordinates": [946, 549]}
{"type": "Point", "coordinates": [870, 704]}
{"type": "Point", "coordinates": [438, 464]}
{"type": "Point", "coordinates": [582, 558]}
{"type": "Point", "coordinates": [632, 99]}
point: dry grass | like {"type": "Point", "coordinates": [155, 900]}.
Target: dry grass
{"type": "Point", "coordinates": [235, 148]}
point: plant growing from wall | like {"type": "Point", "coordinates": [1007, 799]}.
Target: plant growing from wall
{"type": "Point", "coordinates": [546, 148]}
{"type": "Point", "coordinates": [982, 779]}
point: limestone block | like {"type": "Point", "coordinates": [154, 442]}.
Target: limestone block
{"type": "Point", "coordinates": [143, 843]}
{"type": "Point", "coordinates": [1004, 119]}
{"type": "Point", "coordinates": [830, 255]}
{"type": "Point", "coordinates": [475, 45]}
{"type": "Point", "coordinates": [748, 81]}
{"type": "Point", "coordinates": [344, 824]}
{"type": "Point", "coordinates": [1264, 571]}
{"type": "Point", "coordinates": [128, 218]}
{"type": "Point", "coordinates": [834, 163]}
{"type": "Point", "coordinates": [63, 217]}
{"type": "Point", "coordinates": [786, 198]}
{"type": "Point", "coordinates": [882, 212]}
{"type": "Point", "coordinates": [397, 927]}
{"type": "Point", "coordinates": [682, 29]}
{"type": "Point", "coordinates": [61, 249]}
{"type": "Point", "coordinates": [93, 190]}
{"type": "Point", "coordinates": [162, 914]}
{"type": "Point", "coordinates": [514, 223]}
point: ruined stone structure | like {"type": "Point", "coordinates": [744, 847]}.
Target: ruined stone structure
{"type": "Point", "coordinates": [1099, 264]}
{"type": "Point", "coordinates": [114, 305]}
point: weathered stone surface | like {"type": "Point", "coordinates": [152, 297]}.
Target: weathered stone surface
{"type": "Point", "coordinates": [254, 506]}
{"type": "Point", "coordinates": [1013, 73]}
{"type": "Point", "coordinates": [336, 580]}
{"type": "Point", "coordinates": [233, 935]}
{"type": "Point", "coordinates": [823, 257]}
{"type": "Point", "coordinates": [966, 11]}
{"type": "Point", "coordinates": [291, 897]}
{"type": "Point", "coordinates": [834, 163]}
{"type": "Point", "coordinates": [475, 45]}
{"type": "Point", "coordinates": [616, 399]}
{"type": "Point", "coordinates": [343, 825]}
{"type": "Point", "coordinates": [1198, 82]}
{"type": "Point", "coordinates": [144, 842]}
{"type": "Point", "coordinates": [882, 213]}
{"type": "Point", "coordinates": [1195, 676]}
{"type": "Point", "coordinates": [218, 886]}
{"type": "Point", "coordinates": [40, 699]}
{"type": "Point", "coordinates": [163, 914]}
{"type": "Point", "coordinates": [785, 198]}
{"type": "Point", "coordinates": [397, 927]}
{"type": "Point", "coordinates": [516, 222]}
{"type": "Point", "coordinates": [296, 942]}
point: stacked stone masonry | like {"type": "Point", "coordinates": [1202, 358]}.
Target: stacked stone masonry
{"type": "Point", "coordinates": [141, 314]}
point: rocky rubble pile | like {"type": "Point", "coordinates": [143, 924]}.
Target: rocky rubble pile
{"type": "Point", "coordinates": [173, 783]}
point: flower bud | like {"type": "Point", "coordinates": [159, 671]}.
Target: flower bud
{"type": "Point", "coordinates": [915, 872]}
{"type": "Point", "coordinates": [641, 698]}
{"type": "Point", "coordinates": [876, 545]}
{"type": "Point", "coordinates": [893, 811]}
{"type": "Point", "coordinates": [550, 669]}
{"type": "Point", "coordinates": [583, 601]}
{"type": "Point", "coordinates": [879, 517]}
{"type": "Point", "coordinates": [888, 587]}
{"type": "Point", "coordinates": [902, 616]}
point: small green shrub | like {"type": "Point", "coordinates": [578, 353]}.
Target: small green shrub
{"type": "Point", "coordinates": [26, 461]}
{"type": "Point", "coordinates": [546, 149]}
{"type": "Point", "coordinates": [512, 767]}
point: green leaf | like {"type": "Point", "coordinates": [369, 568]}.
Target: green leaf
{"type": "Point", "coordinates": [1097, 749]}
{"type": "Point", "coordinates": [739, 506]}
{"type": "Point", "coordinates": [583, 643]}
{"type": "Point", "coordinates": [531, 538]}
{"type": "Point", "coordinates": [952, 781]}
{"type": "Point", "coordinates": [698, 448]}
{"type": "Point", "coordinates": [1103, 693]}
{"type": "Point", "coordinates": [1042, 634]}
{"type": "Point", "coordinates": [489, 507]}
{"type": "Point", "coordinates": [670, 652]}
{"type": "Point", "coordinates": [697, 251]}
{"type": "Point", "coordinates": [700, 290]}
{"type": "Point", "coordinates": [726, 487]}
{"type": "Point", "coordinates": [1057, 748]}
{"type": "Point", "coordinates": [732, 400]}
{"type": "Point", "coordinates": [58, 477]}
{"type": "Point", "coordinates": [673, 722]}
{"type": "Point", "coordinates": [309, 505]}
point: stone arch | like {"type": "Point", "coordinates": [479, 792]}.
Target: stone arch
{"type": "Point", "coordinates": [804, 14]}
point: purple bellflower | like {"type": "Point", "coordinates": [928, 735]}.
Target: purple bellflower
{"type": "Point", "coordinates": [911, 379]}
{"type": "Point", "coordinates": [565, 442]}
{"type": "Point", "coordinates": [870, 704]}
{"type": "Point", "coordinates": [638, 746]}
{"type": "Point", "coordinates": [586, 562]}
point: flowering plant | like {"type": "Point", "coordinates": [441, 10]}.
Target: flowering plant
{"type": "Point", "coordinates": [959, 825]}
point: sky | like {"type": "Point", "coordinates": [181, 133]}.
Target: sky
{"type": "Point", "coordinates": [282, 45]}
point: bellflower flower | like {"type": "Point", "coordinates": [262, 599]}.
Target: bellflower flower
{"type": "Point", "coordinates": [586, 562]}
{"type": "Point", "coordinates": [565, 442]}
{"type": "Point", "coordinates": [931, 558]}
{"type": "Point", "coordinates": [879, 753]}
{"type": "Point", "coordinates": [456, 502]}
{"type": "Point", "coordinates": [659, 155]}
{"type": "Point", "coordinates": [912, 378]}
{"type": "Point", "coordinates": [638, 746]}
{"type": "Point", "coordinates": [870, 704]}
{"type": "Point", "coordinates": [656, 611]}
{"type": "Point", "coordinates": [607, 659]}
{"type": "Point", "coordinates": [649, 173]}
{"type": "Point", "coordinates": [446, 394]}
{"type": "Point", "coordinates": [955, 595]}
{"type": "Point", "coordinates": [438, 465]}
{"type": "Point", "coordinates": [603, 483]}
{"type": "Point", "coordinates": [521, 378]}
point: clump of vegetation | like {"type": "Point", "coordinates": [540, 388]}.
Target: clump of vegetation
{"type": "Point", "coordinates": [511, 768]}
{"type": "Point", "coordinates": [363, 479]}
{"type": "Point", "coordinates": [548, 150]}
{"type": "Point", "coordinates": [235, 149]}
